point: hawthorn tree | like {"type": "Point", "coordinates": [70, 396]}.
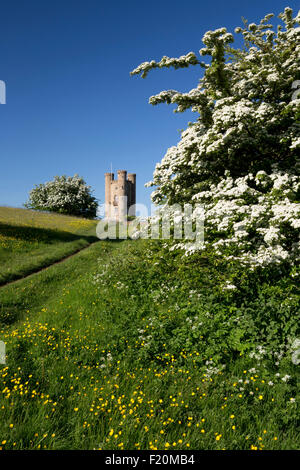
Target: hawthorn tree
{"type": "Point", "coordinates": [241, 155]}
{"type": "Point", "coordinates": [65, 195]}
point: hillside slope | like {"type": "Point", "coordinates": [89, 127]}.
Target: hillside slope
{"type": "Point", "coordinates": [31, 240]}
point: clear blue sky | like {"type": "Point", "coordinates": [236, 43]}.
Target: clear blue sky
{"type": "Point", "coordinates": [72, 106]}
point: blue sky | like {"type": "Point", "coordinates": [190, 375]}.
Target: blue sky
{"type": "Point", "coordinates": [72, 106]}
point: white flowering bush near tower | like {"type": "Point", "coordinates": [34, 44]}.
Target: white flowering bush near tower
{"type": "Point", "coordinates": [240, 158]}
{"type": "Point", "coordinates": [66, 195]}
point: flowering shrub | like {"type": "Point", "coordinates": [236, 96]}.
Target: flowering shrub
{"type": "Point", "coordinates": [240, 158]}
{"type": "Point", "coordinates": [66, 195]}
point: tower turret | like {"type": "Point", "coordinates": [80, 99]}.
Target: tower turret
{"type": "Point", "coordinates": [119, 194]}
{"type": "Point", "coordinates": [131, 191]}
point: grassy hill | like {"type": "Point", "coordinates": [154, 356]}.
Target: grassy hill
{"type": "Point", "coordinates": [129, 346]}
{"type": "Point", "coordinates": [30, 240]}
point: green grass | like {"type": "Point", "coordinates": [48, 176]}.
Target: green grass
{"type": "Point", "coordinates": [127, 346]}
{"type": "Point", "coordinates": [31, 240]}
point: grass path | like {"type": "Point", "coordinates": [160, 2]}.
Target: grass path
{"type": "Point", "coordinates": [39, 269]}
{"type": "Point", "coordinates": [45, 286]}
{"type": "Point", "coordinates": [32, 240]}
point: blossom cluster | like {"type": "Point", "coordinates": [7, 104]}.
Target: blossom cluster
{"type": "Point", "coordinates": [66, 195]}
{"type": "Point", "coordinates": [182, 61]}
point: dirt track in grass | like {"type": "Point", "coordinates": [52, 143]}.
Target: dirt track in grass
{"type": "Point", "coordinates": [37, 271]}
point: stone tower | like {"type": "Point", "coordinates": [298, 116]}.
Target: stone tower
{"type": "Point", "coordinates": [120, 194]}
